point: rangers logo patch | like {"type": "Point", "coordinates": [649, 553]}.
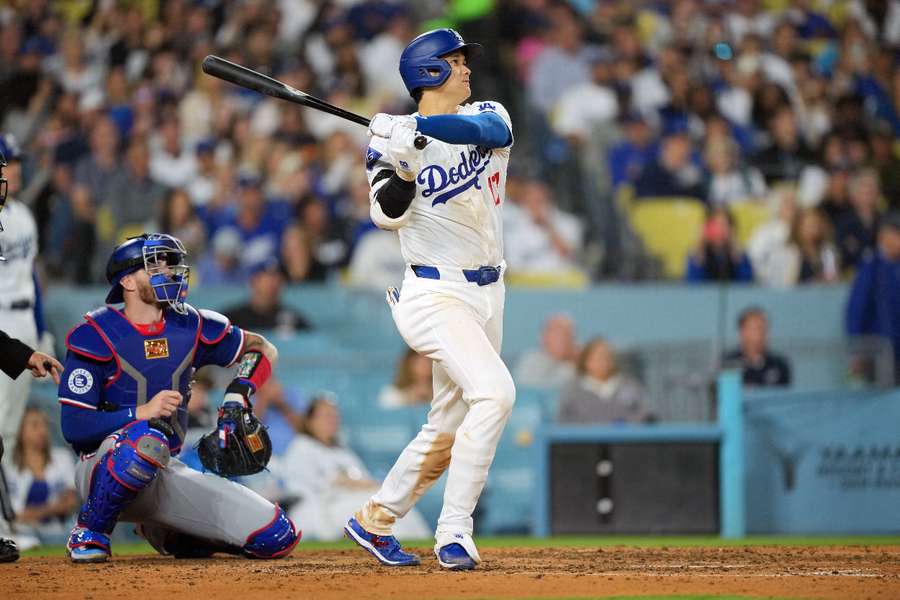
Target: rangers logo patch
{"type": "Point", "coordinates": [158, 348]}
{"type": "Point", "coordinates": [80, 381]}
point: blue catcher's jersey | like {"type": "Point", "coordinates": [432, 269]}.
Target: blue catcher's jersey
{"type": "Point", "coordinates": [113, 367]}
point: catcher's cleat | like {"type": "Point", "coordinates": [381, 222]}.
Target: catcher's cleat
{"type": "Point", "coordinates": [455, 558]}
{"type": "Point", "coordinates": [9, 552]}
{"type": "Point", "coordinates": [385, 548]}
{"type": "Point", "coordinates": [86, 546]}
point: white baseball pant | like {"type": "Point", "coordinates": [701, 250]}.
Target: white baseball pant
{"type": "Point", "coordinates": [459, 325]}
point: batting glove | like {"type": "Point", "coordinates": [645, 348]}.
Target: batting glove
{"type": "Point", "coordinates": [404, 155]}
{"type": "Point", "coordinates": [383, 124]}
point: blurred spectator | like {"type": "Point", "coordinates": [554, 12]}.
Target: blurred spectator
{"type": "Point", "coordinates": [412, 384]}
{"type": "Point", "coordinates": [759, 366]}
{"type": "Point", "coordinates": [41, 480]}
{"type": "Point", "coordinates": [673, 173]}
{"type": "Point", "coordinates": [553, 364]}
{"type": "Point", "coordinates": [220, 265]}
{"type": "Point", "coordinates": [601, 394]}
{"type": "Point", "coordinates": [874, 304]}
{"type": "Point", "coordinates": [857, 230]}
{"type": "Point", "coordinates": [885, 161]}
{"type": "Point", "coordinates": [261, 223]}
{"type": "Point", "coordinates": [170, 163]}
{"type": "Point", "coordinates": [538, 236]}
{"type": "Point", "coordinates": [719, 257]}
{"type": "Point", "coordinates": [729, 181]}
{"type": "Point", "coordinates": [376, 262]}
{"type": "Point", "coordinates": [202, 184]}
{"type": "Point", "coordinates": [134, 198]}
{"type": "Point", "coordinates": [769, 248]}
{"type": "Point", "coordinates": [264, 310]}
{"type": "Point", "coordinates": [281, 410]}
{"type": "Point", "coordinates": [812, 257]}
{"type": "Point", "coordinates": [563, 64]}
{"type": "Point", "coordinates": [787, 154]}
{"type": "Point", "coordinates": [330, 478]}
{"type": "Point", "coordinates": [637, 149]}
{"type": "Point", "coordinates": [177, 218]}
{"type": "Point", "coordinates": [592, 103]}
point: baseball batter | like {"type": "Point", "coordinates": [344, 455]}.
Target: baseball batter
{"type": "Point", "coordinates": [18, 293]}
{"type": "Point", "coordinates": [124, 395]}
{"type": "Point", "coordinates": [445, 202]}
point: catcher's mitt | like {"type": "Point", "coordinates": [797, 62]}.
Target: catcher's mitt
{"type": "Point", "coordinates": [240, 445]}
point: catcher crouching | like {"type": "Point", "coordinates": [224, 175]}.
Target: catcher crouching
{"type": "Point", "coordinates": [124, 395]}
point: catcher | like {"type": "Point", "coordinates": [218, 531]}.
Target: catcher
{"type": "Point", "coordinates": [124, 395]}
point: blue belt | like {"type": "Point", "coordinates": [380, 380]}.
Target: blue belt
{"type": "Point", "coordinates": [481, 275]}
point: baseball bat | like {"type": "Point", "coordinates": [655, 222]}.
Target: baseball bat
{"type": "Point", "coordinates": [254, 80]}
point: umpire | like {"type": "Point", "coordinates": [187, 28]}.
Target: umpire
{"type": "Point", "coordinates": [15, 357]}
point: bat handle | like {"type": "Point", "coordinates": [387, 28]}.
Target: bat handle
{"type": "Point", "coordinates": [420, 142]}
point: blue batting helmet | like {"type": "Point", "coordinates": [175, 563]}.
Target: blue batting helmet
{"type": "Point", "coordinates": [421, 64]}
{"type": "Point", "coordinates": [147, 251]}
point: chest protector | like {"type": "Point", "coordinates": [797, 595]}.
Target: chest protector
{"type": "Point", "coordinates": [148, 364]}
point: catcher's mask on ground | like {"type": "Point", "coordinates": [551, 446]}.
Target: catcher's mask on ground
{"type": "Point", "coordinates": [163, 257]}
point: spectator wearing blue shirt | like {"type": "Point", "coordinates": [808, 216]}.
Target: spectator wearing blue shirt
{"type": "Point", "coordinates": [628, 157]}
{"type": "Point", "coordinates": [719, 257]}
{"type": "Point", "coordinates": [259, 222]}
{"type": "Point", "coordinates": [874, 304]}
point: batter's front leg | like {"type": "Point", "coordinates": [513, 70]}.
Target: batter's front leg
{"type": "Point", "coordinates": [422, 462]}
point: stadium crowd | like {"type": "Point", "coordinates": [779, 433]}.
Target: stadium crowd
{"type": "Point", "coordinates": [789, 107]}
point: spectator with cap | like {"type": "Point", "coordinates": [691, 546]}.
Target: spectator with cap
{"type": "Point", "coordinates": [638, 148]}
{"type": "Point", "coordinates": [552, 364]}
{"type": "Point", "coordinates": [221, 265]}
{"type": "Point", "coordinates": [873, 308]}
{"type": "Point", "coordinates": [260, 222]}
{"type": "Point", "coordinates": [759, 365]}
{"type": "Point", "coordinates": [264, 311]}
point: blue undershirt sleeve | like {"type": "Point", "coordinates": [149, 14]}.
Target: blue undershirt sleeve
{"type": "Point", "coordinates": [86, 428]}
{"type": "Point", "coordinates": [484, 129]}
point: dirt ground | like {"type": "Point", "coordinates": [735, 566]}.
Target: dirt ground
{"type": "Point", "coordinates": [847, 572]}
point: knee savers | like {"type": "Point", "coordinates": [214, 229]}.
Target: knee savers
{"type": "Point", "coordinates": [126, 469]}
{"type": "Point", "coordinates": [275, 540]}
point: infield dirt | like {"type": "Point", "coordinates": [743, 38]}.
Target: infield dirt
{"type": "Point", "coordinates": [839, 572]}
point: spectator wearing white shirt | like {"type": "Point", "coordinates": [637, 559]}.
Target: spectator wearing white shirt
{"type": "Point", "coordinates": [539, 237]}
{"type": "Point", "coordinates": [170, 164]}
{"type": "Point", "coordinates": [729, 181]}
{"type": "Point", "coordinates": [592, 103]}
{"type": "Point", "coordinates": [41, 481]}
{"type": "Point", "coordinates": [330, 478]}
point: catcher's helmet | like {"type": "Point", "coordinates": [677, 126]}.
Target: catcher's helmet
{"type": "Point", "coordinates": [162, 256]}
{"type": "Point", "coordinates": [421, 64]}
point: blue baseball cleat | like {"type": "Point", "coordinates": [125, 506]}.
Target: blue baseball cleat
{"type": "Point", "coordinates": [385, 548]}
{"type": "Point", "coordinates": [86, 546]}
{"type": "Point", "coordinates": [455, 558]}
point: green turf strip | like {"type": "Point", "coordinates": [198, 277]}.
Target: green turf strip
{"type": "Point", "coordinates": [661, 598]}
{"type": "Point", "coordinates": [567, 542]}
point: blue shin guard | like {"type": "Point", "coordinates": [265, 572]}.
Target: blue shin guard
{"type": "Point", "coordinates": [120, 475]}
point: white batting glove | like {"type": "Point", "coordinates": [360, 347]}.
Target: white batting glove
{"type": "Point", "coordinates": [383, 124]}
{"type": "Point", "coordinates": [403, 154]}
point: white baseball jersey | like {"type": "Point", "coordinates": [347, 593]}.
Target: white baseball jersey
{"type": "Point", "coordinates": [455, 218]}
{"type": "Point", "coordinates": [19, 244]}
